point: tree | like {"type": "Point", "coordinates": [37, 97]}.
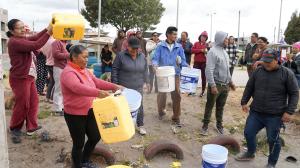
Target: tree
{"type": "Point", "coordinates": [126, 15]}
{"type": "Point", "coordinates": [292, 32]}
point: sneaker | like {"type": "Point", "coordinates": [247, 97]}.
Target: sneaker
{"type": "Point", "coordinates": [34, 131]}
{"type": "Point", "coordinates": [192, 94]}
{"type": "Point", "coordinates": [177, 124]}
{"type": "Point", "coordinates": [161, 115]}
{"type": "Point", "coordinates": [202, 94]}
{"type": "Point", "coordinates": [16, 136]}
{"type": "Point", "coordinates": [245, 157]}
{"type": "Point", "coordinates": [59, 113]}
{"type": "Point", "coordinates": [142, 130]}
{"type": "Point", "coordinates": [220, 130]}
{"type": "Point", "coordinates": [89, 164]}
{"type": "Point", "coordinates": [270, 166]}
{"type": "Point", "coordinates": [204, 130]}
{"type": "Point", "coordinates": [16, 132]}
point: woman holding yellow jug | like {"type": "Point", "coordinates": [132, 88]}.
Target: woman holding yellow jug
{"type": "Point", "coordinates": [79, 89]}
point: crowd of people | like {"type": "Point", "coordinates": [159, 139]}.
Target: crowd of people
{"type": "Point", "coordinates": [71, 87]}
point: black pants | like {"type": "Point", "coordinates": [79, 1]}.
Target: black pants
{"type": "Point", "coordinates": [152, 78]}
{"type": "Point", "coordinates": [42, 73]}
{"type": "Point", "coordinates": [140, 115]}
{"type": "Point", "coordinates": [231, 70]}
{"type": "Point", "coordinates": [79, 126]}
{"type": "Point", "coordinates": [49, 94]}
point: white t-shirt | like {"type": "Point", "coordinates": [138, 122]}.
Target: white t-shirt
{"type": "Point", "coordinates": [32, 70]}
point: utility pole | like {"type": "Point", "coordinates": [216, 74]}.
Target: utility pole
{"type": "Point", "coordinates": [177, 14]}
{"type": "Point", "coordinates": [279, 29]}
{"type": "Point", "coordinates": [78, 6]}
{"type": "Point", "coordinates": [239, 24]}
{"type": "Point", "coordinates": [211, 24]}
{"type": "Point", "coordinates": [274, 34]}
{"type": "Point", "coordinates": [99, 29]}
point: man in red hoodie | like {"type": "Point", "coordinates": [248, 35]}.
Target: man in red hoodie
{"type": "Point", "coordinates": [200, 50]}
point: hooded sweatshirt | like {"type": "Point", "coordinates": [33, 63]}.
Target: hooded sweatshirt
{"type": "Point", "coordinates": [217, 66]}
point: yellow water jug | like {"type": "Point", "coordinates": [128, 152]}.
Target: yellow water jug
{"type": "Point", "coordinates": [68, 26]}
{"type": "Point", "coordinates": [118, 166]}
{"type": "Point", "coordinates": [113, 119]}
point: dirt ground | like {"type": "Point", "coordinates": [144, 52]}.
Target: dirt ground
{"type": "Point", "coordinates": [32, 153]}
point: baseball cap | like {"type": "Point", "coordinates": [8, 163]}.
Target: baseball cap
{"type": "Point", "coordinates": [269, 55]}
{"type": "Point", "coordinates": [134, 42]}
{"type": "Point", "coordinates": [296, 45]}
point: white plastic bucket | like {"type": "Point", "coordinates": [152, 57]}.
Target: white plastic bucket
{"type": "Point", "coordinates": [165, 78]}
{"type": "Point", "coordinates": [189, 79]}
{"type": "Point", "coordinates": [214, 156]}
{"type": "Point", "coordinates": [134, 99]}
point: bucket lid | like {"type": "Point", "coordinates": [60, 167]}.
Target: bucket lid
{"type": "Point", "coordinates": [216, 153]}
{"type": "Point", "coordinates": [134, 98]}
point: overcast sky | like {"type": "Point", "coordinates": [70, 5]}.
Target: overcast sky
{"type": "Point", "coordinates": [256, 15]}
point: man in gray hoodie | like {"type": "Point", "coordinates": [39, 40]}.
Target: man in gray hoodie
{"type": "Point", "coordinates": [219, 81]}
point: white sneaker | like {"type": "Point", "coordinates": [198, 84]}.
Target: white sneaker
{"type": "Point", "coordinates": [142, 130]}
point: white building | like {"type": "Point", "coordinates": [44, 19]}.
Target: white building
{"type": "Point", "coordinates": [3, 30]}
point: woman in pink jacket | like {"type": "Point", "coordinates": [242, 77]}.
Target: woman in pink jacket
{"type": "Point", "coordinates": [79, 88]}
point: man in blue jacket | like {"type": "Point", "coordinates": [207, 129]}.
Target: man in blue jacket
{"type": "Point", "coordinates": [170, 53]}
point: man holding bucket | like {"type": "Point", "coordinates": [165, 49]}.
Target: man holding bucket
{"type": "Point", "coordinates": [275, 96]}
{"type": "Point", "coordinates": [170, 53]}
{"type": "Point", "coordinates": [219, 81]}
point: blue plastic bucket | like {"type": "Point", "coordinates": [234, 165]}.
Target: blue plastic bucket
{"type": "Point", "coordinates": [134, 99]}
{"type": "Point", "coordinates": [214, 156]}
{"type": "Point", "coordinates": [189, 80]}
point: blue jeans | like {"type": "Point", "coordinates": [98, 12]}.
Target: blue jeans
{"type": "Point", "coordinates": [255, 122]}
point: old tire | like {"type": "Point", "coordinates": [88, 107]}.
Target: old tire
{"type": "Point", "coordinates": [108, 156]}
{"type": "Point", "coordinates": [226, 141]}
{"type": "Point", "coordinates": [162, 146]}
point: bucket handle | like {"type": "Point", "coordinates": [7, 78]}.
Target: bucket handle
{"type": "Point", "coordinates": [118, 93]}
{"type": "Point", "coordinates": [53, 21]}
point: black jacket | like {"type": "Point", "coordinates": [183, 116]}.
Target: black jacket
{"type": "Point", "coordinates": [249, 53]}
{"type": "Point", "coordinates": [130, 73]}
{"type": "Point", "coordinates": [273, 92]}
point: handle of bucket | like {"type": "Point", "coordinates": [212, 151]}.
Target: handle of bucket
{"type": "Point", "coordinates": [53, 21]}
{"type": "Point", "coordinates": [118, 93]}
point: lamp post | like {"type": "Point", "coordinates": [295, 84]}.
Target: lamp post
{"type": "Point", "coordinates": [279, 29]}
{"type": "Point", "coordinates": [239, 26]}
{"type": "Point", "coordinates": [177, 15]}
{"type": "Point", "coordinates": [99, 31]}
{"type": "Point", "coordinates": [211, 24]}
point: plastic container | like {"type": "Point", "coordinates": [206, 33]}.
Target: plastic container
{"type": "Point", "coordinates": [165, 78]}
{"type": "Point", "coordinates": [118, 166]}
{"type": "Point", "coordinates": [134, 99]}
{"type": "Point", "coordinates": [68, 26]}
{"type": "Point", "coordinates": [189, 79]}
{"type": "Point", "coordinates": [214, 156]}
{"type": "Point", "coordinates": [113, 119]}
{"type": "Point", "coordinates": [93, 60]}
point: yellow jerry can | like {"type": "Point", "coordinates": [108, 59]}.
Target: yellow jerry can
{"type": "Point", "coordinates": [68, 26]}
{"type": "Point", "coordinates": [113, 119]}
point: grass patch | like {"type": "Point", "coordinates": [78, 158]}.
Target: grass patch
{"type": "Point", "coordinates": [44, 114]}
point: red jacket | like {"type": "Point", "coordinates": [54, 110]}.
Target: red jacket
{"type": "Point", "coordinates": [60, 54]}
{"type": "Point", "coordinates": [197, 49]}
{"type": "Point", "coordinates": [19, 50]}
{"type": "Point", "coordinates": [79, 89]}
